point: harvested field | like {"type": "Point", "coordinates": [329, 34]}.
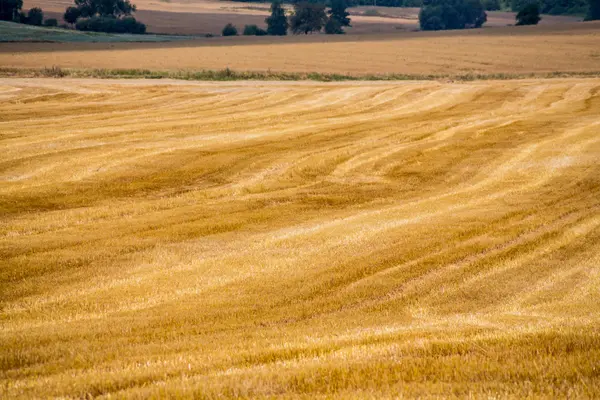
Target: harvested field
{"type": "Point", "coordinates": [563, 48]}
{"type": "Point", "coordinates": [414, 239]}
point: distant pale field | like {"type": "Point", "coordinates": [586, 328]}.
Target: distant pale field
{"type": "Point", "coordinates": [209, 16]}
{"type": "Point", "coordinates": [299, 239]}
{"type": "Point", "coordinates": [561, 47]}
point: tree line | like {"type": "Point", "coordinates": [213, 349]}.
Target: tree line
{"type": "Point", "coordinates": [307, 17]}
{"type": "Point", "coordinates": [11, 10]}
{"type": "Point", "coordinates": [461, 14]}
{"type": "Point", "coordinates": [87, 15]}
{"type": "Point", "coordinates": [553, 7]}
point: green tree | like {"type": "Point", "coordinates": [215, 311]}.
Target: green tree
{"type": "Point", "coordinates": [71, 15]}
{"type": "Point", "coordinates": [451, 14]}
{"type": "Point", "coordinates": [338, 17]}
{"type": "Point", "coordinates": [491, 5]}
{"type": "Point", "coordinates": [529, 15]}
{"type": "Point", "coordinates": [229, 30]}
{"type": "Point", "coordinates": [333, 27]}
{"type": "Point", "coordinates": [308, 18]}
{"type": "Point", "coordinates": [593, 10]}
{"type": "Point", "coordinates": [104, 8]}
{"type": "Point", "coordinates": [35, 16]}
{"type": "Point", "coordinates": [277, 23]}
{"type": "Point", "coordinates": [338, 11]}
{"type": "Point", "coordinates": [104, 16]}
{"type": "Point", "coordinates": [10, 9]}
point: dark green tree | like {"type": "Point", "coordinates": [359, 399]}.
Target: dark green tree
{"type": "Point", "coordinates": [333, 27]}
{"type": "Point", "coordinates": [593, 10]}
{"type": "Point", "coordinates": [71, 15]}
{"type": "Point", "coordinates": [229, 30]}
{"type": "Point", "coordinates": [277, 23]}
{"type": "Point", "coordinates": [308, 18]}
{"type": "Point", "coordinates": [451, 14]}
{"type": "Point", "coordinates": [10, 9]}
{"type": "Point", "coordinates": [104, 16]}
{"type": "Point", "coordinates": [104, 8]}
{"type": "Point", "coordinates": [554, 7]}
{"type": "Point", "coordinates": [35, 16]}
{"type": "Point", "coordinates": [338, 17]}
{"type": "Point", "coordinates": [491, 5]}
{"type": "Point", "coordinates": [529, 15]}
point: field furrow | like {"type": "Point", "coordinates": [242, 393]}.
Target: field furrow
{"type": "Point", "coordinates": [357, 239]}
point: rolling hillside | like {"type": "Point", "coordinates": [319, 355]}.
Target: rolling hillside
{"type": "Point", "coordinates": [299, 240]}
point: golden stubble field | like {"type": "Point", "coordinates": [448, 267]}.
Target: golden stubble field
{"type": "Point", "coordinates": [512, 50]}
{"type": "Point", "coordinates": [299, 239]}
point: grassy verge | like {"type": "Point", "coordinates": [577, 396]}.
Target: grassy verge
{"type": "Point", "coordinates": [13, 32]}
{"type": "Point", "coordinates": [230, 75]}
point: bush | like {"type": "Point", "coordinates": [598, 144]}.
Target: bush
{"type": "Point", "coordinates": [253, 30]}
{"type": "Point", "coordinates": [111, 25]}
{"type": "Point", "coordinates": [51, 22]}
{"type": "Point", "coordinates": [35, 16]}
{"type": "Point", "coordinates": [229, 30]}
{"type": "Point", "coordinates": [529, 15]}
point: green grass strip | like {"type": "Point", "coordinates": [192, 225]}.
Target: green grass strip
{"type": "Point", "coordinates": [230, 75]}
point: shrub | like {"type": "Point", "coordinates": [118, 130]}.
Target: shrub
{"type": "Point", "coordinates": [130, 25]}
{"type": "Point", "coordinates": [529, 15]}
{"type": "Point", "coordinates": [229, 30]}
{"type": "Point", "coordinates": [253, 30]}
{"type": "Point", "coordinates": [35, 16]}
{"type": "Point", "coordinates": [51, 22]}
{"type": "Point", "coordinates": [111, 25]}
